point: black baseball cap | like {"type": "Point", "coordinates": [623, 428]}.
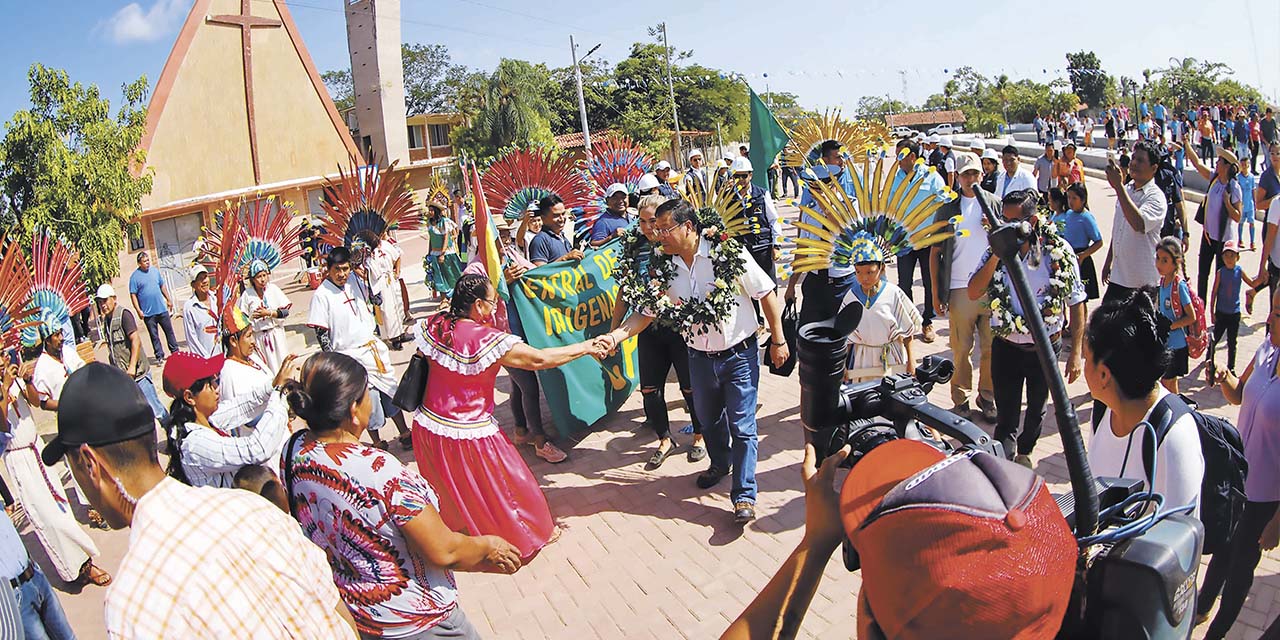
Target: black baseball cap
{"type": "Point", "coordinates": [99, 405]}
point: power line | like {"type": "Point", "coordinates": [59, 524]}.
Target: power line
{"type": "Point", "coordinates": [433, 25]}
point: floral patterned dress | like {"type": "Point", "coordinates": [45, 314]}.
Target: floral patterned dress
{"type": "Point", "coordinates": [352, 500]}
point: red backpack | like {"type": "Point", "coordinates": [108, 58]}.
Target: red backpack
{"type": "Point", "coordinates": [1198, 333]}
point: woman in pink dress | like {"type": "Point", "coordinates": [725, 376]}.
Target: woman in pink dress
{"type": "Point", "coordinates": [485, 488]}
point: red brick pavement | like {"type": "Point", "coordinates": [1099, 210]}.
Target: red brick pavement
{"type": "Point", "coordinates": [648, 555]}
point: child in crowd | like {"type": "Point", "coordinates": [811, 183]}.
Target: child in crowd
{"type": "Point", "coordinates": [1225, 301]}
{"type": "Point", "coordinates": [882, 342]}
{"type": "Point", "coordinates": [1174, 293]}
{"type": "Point", "coordinates": [258, 479]}
{"type": "Point", "coordinates": [1248, 182]}
{"type": "Point", "coordinates": [1081, 231]}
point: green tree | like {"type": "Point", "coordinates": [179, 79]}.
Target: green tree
{"type": "Point", "coordinates": [877, 107]}
{"type": "Point", "coordinates": [69, 165]}
{"type": "Point", "coordinates": [509, 110]}
{"type": "Point", "coordinates": [1087, 78]}
{"type": "Point", "coordinates": [338, 83]}
{"type": "Point", "coordinates": [430, 80]}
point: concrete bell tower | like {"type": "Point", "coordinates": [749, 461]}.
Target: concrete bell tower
{"type": "Point", "coordinates": [377, 77]}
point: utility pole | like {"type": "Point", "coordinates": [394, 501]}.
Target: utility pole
{"type": "Point", "coordinates": [582, 103]}
{"type": "Point", "coordinates": [903, 73]}
{"type": "Point", "coordinates": [671, 89]}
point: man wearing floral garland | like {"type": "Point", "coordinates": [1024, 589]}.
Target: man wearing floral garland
{"type": "Point", "coordinates": [1054, 276]}
{"type": "Point", "coordinates": [703, 288]}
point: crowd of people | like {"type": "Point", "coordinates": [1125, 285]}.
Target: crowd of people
{"type": "Point", "coordinates": [369, 544]}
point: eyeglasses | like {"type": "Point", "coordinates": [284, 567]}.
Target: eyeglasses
{"type": "Point", "coordinates": [492, 301]}
{"type": "Point", "coordinates": [662, 233]}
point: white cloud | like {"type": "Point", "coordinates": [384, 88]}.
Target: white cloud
{"type": "Point", "coordinates": [132, 23]}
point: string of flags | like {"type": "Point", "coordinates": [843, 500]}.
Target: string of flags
{"type": "Point", "coordinates": [705, 78]}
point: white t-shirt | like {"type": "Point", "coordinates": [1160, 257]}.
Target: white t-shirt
{"type": "Point", "coordinates": [970, 248]}
{"type": "Point", "coordinates": [1133, 253]}
{"type": "Point", "coordinates": [1273, 219]}
{"type": "Point", "coordinates": [1179, 463]}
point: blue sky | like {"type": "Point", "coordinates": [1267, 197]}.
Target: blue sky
{"type": "Point", "coordinates": [829, 57]}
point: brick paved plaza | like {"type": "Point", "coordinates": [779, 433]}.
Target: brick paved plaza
{"type": "Point", "coordinates": [647, 554]}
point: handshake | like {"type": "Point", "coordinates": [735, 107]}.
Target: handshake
{"type": "Point", "coordinates": [602, 346]}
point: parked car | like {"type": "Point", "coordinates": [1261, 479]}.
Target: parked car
{"type": "Point", "coordinates": [902, 131]}
{"type": "Point", "coordinates": [946, 129]}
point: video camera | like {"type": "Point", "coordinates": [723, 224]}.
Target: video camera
{"type": "Point", "coordinates": [1136, 579]}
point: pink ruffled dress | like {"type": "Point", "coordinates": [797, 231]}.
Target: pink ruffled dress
{"type": "Point", "coordinates": [485, 487]}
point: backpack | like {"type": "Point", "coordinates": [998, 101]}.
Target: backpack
{"type": "Point", "coordinates": [1198, 333]}
{"type": "Point", "coordinates": [1222, 496]}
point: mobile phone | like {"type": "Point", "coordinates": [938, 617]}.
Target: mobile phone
{"type": "Point", "coordinates": [13, 357]}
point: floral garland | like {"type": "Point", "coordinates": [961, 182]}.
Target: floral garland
{"type": "Point", "coordinates": [687, 316]}
{"type": "Point", "coordinates": [1063, 280]}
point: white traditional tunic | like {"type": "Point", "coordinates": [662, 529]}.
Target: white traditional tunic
{"type": "Point", "coordinates": [269, 332]}
{"type": "Point", "coordinates": [50, 375]}
{"type": "Point", "coordinates": [348, 316]}
{"type": "Point", "coordinates": [382, 277]}
{"type": "Point", "coordinates": [877, 347]}
{"type": "Point", "coordinates": [40, 491]}
{"type": "Point", "coordinates": [201, 324]}
{"type": "Point", "coordinates": [243, 391]}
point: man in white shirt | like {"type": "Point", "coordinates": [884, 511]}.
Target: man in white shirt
{"type": "Point", "coordinates": [695, 179]}
{"type": "Point", "coordinates": [1014, 362]}
{"type": "Point", "coordinates": [57, 361]}
{"type": "Point", "coordinates": [342, 316]}
{"type": "Point", "coordinates": [724, 358]}
{"type": "Point", "coordinates": [1140, 213]}
{"type": "Point", "coordinates": [951, 263]}
{"type": "Point", "coordinates": [1014, 177]}
{"type": "Point", "coordinates": [199, 318]}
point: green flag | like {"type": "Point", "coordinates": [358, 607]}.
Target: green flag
{"type": "Point", "coordinates": [767, 139]}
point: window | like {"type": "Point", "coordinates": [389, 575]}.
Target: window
{"type": "Point", "coordinates": [439, 134]}
{"type": "Point", "coordinates": [415, 137]}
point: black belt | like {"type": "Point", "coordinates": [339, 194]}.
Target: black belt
{"type": "Point", "coordinates": [27, 574]}
{"type": "Point", "coordinates": [747, 343]}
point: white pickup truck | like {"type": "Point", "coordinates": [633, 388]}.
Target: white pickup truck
{"type": "Point", "coordinates": [946, 129]}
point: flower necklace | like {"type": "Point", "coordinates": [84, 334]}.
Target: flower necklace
{"type": "Point", "coordinates": [689, 317]}
{"type": "Point", "coordinates": [1064, 278]}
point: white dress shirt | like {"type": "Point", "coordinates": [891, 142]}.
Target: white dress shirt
{"type": "Point", "coordinates": [695, 281]}
{"type": "Point", "coordinates": [1133, 253]}
{"type": "Point", "coordinates": [201, 325]}
{"type": "Point", "coordinates": [1022, 179]}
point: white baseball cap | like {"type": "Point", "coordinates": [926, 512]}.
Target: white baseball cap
{"type": "Point", "coordinates": [532, 208]}
{"type": "Point", "coordinates": [695, 153]}
{"type": "Point", "coordinates": [741, 164]}
{"type": "Point", "coordinates": [647, 182]}
{"type": "Point", "coordinates": [662, 165]}
{"type": "Point", "coordinates": [944, 141]}
{"type": "Point", "coordinates": [104, 292]}
{"type": "Point", "coordinates": [990, 154]}
{"type": "Point", "coordinates": [196, 270]}
{"type": "Point", "coordinates": [618, 187]}
{"type": "Point", "coordinates": [968, 162]}
{"type": "Point", "coordinates": [933, 138]}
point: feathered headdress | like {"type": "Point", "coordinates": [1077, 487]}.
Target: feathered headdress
{"type": "Point", "coordinates": [367, 199]}
{"type": "Point", "coordinates": [15, 294]}
{"type": "Point", "coordinates": [523, 176]}
{"type": "Point", "coordinates": [58, 290]}
{"type": "Point", "coordinates": [438, 192]}
{"type": "Point", "coordinates": [615, 159]}
{"type": "Point", "coordinates": [261, 233]}
{"type": "Point", "coordinates": [227, 271]}
{"type": "Point", "coordinates": [885, 220]}
{"type": "Point", "coordinates": [855, 138]}
{"type": "Point", "coordinates": [723, 203]}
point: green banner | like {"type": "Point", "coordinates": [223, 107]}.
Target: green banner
{"type": "Point", "coordinates": [563, 303]}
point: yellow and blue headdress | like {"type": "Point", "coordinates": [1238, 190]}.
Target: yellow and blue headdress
{"type": "Point", "coordinates": [804, 150]}
{"type": "Point", "coordinates": [886, 219]}
{"type": "Point", "coordinates": [264, 232]}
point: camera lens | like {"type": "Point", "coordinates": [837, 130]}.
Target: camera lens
{"type": "Point", "coordinates": [820, 353]}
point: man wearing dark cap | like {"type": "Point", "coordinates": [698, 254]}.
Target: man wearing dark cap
{"type": "Point", "coordinates": [203, 562]}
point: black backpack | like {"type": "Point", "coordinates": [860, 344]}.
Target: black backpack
{"type": "Point", "coordinates": [1222, 495]}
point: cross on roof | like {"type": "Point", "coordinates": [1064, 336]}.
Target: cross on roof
{"type": "Point", "coordinates": [246, 23]}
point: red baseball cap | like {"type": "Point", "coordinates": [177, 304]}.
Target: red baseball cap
{"type": "Point", "coordinates": [961, 546]}
{"type": "Point", "coordinates": [183, 369]}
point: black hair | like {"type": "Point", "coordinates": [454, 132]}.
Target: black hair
{"type": "Point", "coordinates": [828, 146]}
{"type": "Point", "coordinates": [180, 413]}
{"type": "Point", "coordinates": [228, 338]}
{"type": "Point", "coordinates": [369, 238]}
{"type": "Point", "coordinates": [331, 383]}
{"type": "Point", "coordinates": [1027, 200]}
{"type": "Point", "coordinates": [1149, 148]}
{"type": "Point", "coordinates": [681, 211]}
{"type": "Point", "coordinates": [1058, 196]}
{"type": "Point", "coordinates": [1128, 335]}
{"type": "Point", "coordinates": [469, 289]}
{"type": "Point", "coordinates": [1081, 192]}
{"type": "Point", "coordinates": [338, 256]}
{"type": "Point", "coordinates": [1008, 148]}
{"type": "Point", "coordinates": [131, 454]}
{"type": "Point", "coordinates": [141, 254]}
{"type": "Point", "coordinates": [546, 204]}
{"type": "Point", "coordinates": [910, 145]}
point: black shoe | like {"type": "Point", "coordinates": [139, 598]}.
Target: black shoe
{"type": "Point", "coordinates": [711, 477]}
{"type": "Point", "coordinates": [744, 512]}
{"type": "Point", "coordinates": [988, 409]}
{"type": "Point", "coordinates": [1007, 445]}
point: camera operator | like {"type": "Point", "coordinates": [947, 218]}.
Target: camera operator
{"type": "Point", "coordinates": [972, 548]}
{"type": "Point", "coordinates": [1054, 276]}
{"type": "Point", "coordinates": [1125, 356]}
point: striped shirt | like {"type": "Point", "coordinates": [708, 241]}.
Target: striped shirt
{"type": "Point", "coordinates": [215, 564]}
{"type": "Point", "coordinates": [211, 456]}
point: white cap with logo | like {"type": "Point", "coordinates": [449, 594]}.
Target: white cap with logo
{"type": "Point", "coordinates": [741, 164]}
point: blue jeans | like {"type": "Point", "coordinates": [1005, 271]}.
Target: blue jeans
{"type": "Point", "coordinates": [383, 409]}
{"type": "Point", "coordinates": [42, 616]}
{"type": "Point", "coordinates": [154, 325]}
{"type": "Point", "coordinates": [149, 391]}
{"type": "Point", "coordinates": [724, 397]}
